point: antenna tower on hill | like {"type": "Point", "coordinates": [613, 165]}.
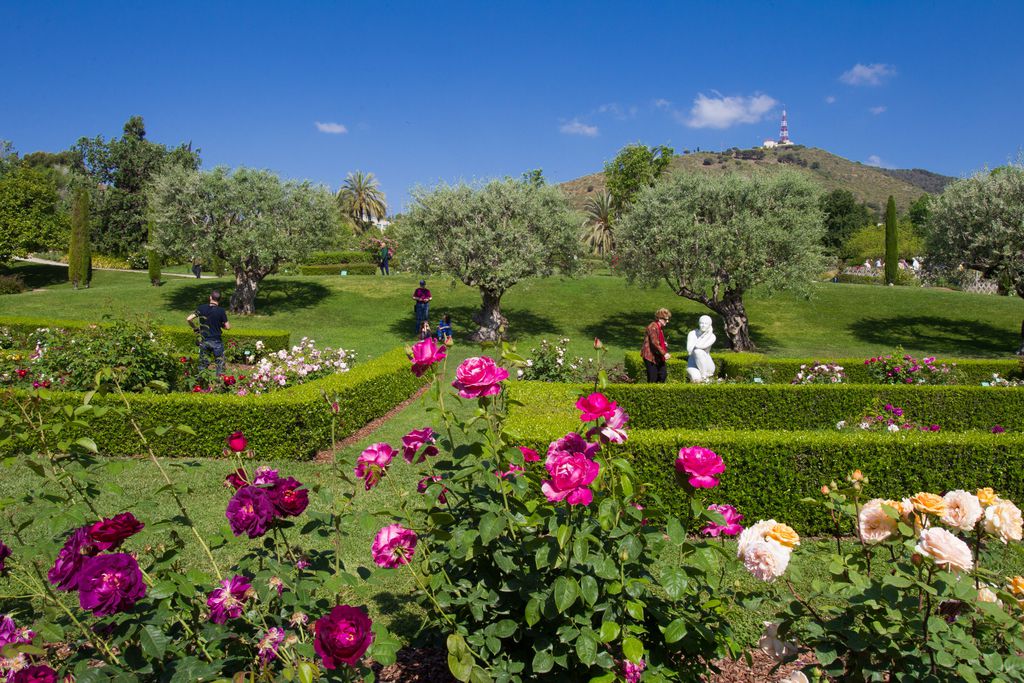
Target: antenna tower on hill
{"type": "Point", "coordinates": [784, 131]}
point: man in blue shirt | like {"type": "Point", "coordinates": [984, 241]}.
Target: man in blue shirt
{"type": "Point", "coordinates": [212, 319]}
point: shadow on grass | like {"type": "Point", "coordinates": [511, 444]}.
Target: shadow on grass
{"type": "Point", "coordinates": [521, 322]}
{"type": "Point", "coordinates": [940, 336]}
{"type": "Point", "coordinates": [403, 619]}
{"type": "Point", "coordinates": [627, 329]}
{"type": "Point", "coordinates": [274, 296]}
{"type": "Point", "coordinates": [37, 275]}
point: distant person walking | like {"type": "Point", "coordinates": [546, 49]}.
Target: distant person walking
{"type": "Point", "coordinates": [655, 350]}
{"type": "Point", "coordinates": [385, 259]}
{"type": "Point", "coordinates": [197, 267]}
{"type": "Point", "coordinates": [422, 306]}
{"type": "Point", "coordinates": [212, 319]}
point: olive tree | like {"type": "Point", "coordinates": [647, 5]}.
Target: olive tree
{"type": "Point", "coordinates": [491, 237]}
{"type": "Point", "coordinates": [713, 238]}
{"type": "Point", "coordinates": [250, 218]}
{"type": "Point", "coordinates": [978, 223]}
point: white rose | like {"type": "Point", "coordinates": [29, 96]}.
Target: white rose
{"type": "Point", "coordinates": [986, 594]}
{"type": "Point", "coordinates": [875, 526]}
{"type": "Point", "coordinates": [963, 510]}
{"type": "Point", "coordinates": [753, 533]}
{"type": "Point", "coordinates": [766, 560]}
{"type": "Point", "coordinates": [948, 551]}
{"type": "Point", "coordinates": [893, 428]}
{"type": "Point", "coordinates": [1003, 519]}
{"type": "Point", "coordinates": [772, 646]}
{"type": "Point", "coordinates": [840, 424]}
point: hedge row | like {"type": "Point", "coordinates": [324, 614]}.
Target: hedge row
{"type": "Point", "coordinates": [746, 366]}
{"type": "Point", "coordinates": [783, 406]}
{"type": "Point", "coordinates": [289, 424]}
{"type": "Point", "coordinates": [181, 337]}
{"type": "Point", "coordinates": [768, 474]}
{"type": "Point", "coordinates": [336, 268]}
{"type": "Point", "coordinates": [329, 258]}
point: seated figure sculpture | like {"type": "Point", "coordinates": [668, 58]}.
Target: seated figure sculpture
{"type": "Point", "coordinates": [700, 367]}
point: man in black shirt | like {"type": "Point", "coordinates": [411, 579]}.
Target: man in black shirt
{"type": "Point", "coordinates": [212, 319]}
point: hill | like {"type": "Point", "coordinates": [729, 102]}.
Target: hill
{"type": "Point", "coordinates": [869, 184]}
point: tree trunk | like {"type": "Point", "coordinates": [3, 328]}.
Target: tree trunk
{"type": "Point", "coordinates": [243, 299]}
{"type": "Point", "coordinates": [737, 327]}
{"type": "Point", "coordinates": [492, 323]}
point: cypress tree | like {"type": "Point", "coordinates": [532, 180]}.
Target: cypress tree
{"type": "Point", "coordinates": [78, 258]}
{"type": "Point", "coordinates": [892, 254]}
{"type": "Point", "coordinates": [153, 259]}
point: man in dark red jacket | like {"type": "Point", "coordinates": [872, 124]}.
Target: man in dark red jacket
{"type": "Point", "coordinates": [654, 350]}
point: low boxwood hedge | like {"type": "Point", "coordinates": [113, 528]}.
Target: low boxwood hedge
{"type": "Point", "coordinates": [289, 424]}
{"type": "Point", "coordinates": [768, 474]}
{"type": "Point", "coordinates": [336, 268]}
{"type": "Point", "coordinates": [180, 336]}
{"type": "Point", "coordinates": [783, 406]}
{"type": "Point", "coordinates": [329, 258]}
{"type": "Point", "coordinates": [746, 366]}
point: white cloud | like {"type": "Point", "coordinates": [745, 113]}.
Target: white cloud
{"type": "Point", "coordinates": [577, 127]}
{"type": "Point", "coordinates": [830, 99]}
{"type": "Point", "coordinates": [880, 109]}
{"type": "Point", "coordinates": [662, 103]}
{"type": "Point", "coordinates": [723, 112]}
{"type": "Point", "coordinates": [867, 74]}
{"type": "Point", "coordinates": [877, 161]}
{"type": "Point", "coordinates": [332, 128]}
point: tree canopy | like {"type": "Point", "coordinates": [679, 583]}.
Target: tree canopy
{"type": "Point", "coordinates": [713, 238]}
{"type": "Point", "coordinates": [491, 237]}
{"type": "Point", "coordinates": [250, 218]}
{"type": "Point", "coordinates": [361, 199]}
{"type": "Point", "coordinates": [634, 168]}
{"type": "Point", "coordinates": [843, 215]}
{"type": "Point", "coordinates": [32, 217]}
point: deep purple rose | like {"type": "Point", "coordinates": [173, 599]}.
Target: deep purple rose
{"type": "Point", "coordinates": [271, 640]}
{"type": "Point", "coordinates": [109, 584]}
{"type": "Point", "coordinates": [250, 512]}
{"type": "Point", "coordinates": [288, 498]}
{"type": "Point", "coordinates": [342, 636]}
{"type": "Point", "coordinates": [5, 552]}
{"type": "Point", "coordinates": [37, 673]}
{"type": "Point", "coordinates": [228, 601]}
{"type": "Point", "coordinates": [236, 479]}
{"type": "Point", "coordinates": [265, 476]}
{"type": "Point", "coordinates": [65, 570]}
{"type": "Point", "coordinates": [108, 534]}
{"type": "Point", "coordinates": [571, 443]}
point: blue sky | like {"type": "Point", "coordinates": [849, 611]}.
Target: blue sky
{"type": "Point", "coordinates": [421, 92]}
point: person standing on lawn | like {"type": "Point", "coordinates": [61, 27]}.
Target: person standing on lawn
{"type": "Point", "coordinates": [655, 350]}
{"type": "Point", "coordinates": [212, 319]}
{"type": "Point", "coordinates": [422, 306]}
{"type": "Point", "coordinates": [385, 259]}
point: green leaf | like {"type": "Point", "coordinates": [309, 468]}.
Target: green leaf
{"type": "Point", "coordinates": [491, 526]}
{"type": "Point", "coordinates": [675, 631]}
{"type": "Point", "coordinates": [478, 675]}
{"type": "Point", "coordinates": [674, 581]}
{"type": "Point", "coordinates": [543, 662]}
{"type": "Point", "coordinates": [532, 612]}
{"type": "Point", "coordinates": [633, 649]}
{"type": "Point", "coordinates": [564, 532]}
{"type": "Point", "coordinates": [604, 678]}
{"type": "Point", "coordinates": [609, 631]}
{"type": "Point", "coordinates": [154, 642]}
{"type": "Point", "coordinates": [586, 648]}
{"type": "Point", "coordinates": [308, 672]}
{"type": "Point", "coordinates": [460, 659]}
{"type": "Point", "coordinates": [675, 531]}
{"type": "Point", "coordinates": [505, 628]}
{"type": "Point", "coordinates": [88, 444]}
{"type": "Point", "coordinates": [566, 591]}
{"type": "Point", "coordinates": [588, 589]}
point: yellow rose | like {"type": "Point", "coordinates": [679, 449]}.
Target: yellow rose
{"type": "Point", "coordinates": [987, 496]}
{"type": "Point", "coordinates": [1017, 585]}
{"type": "Point", "coordinates": [783, 535]}
{"type": "Point", "coordinates": [929, 504]}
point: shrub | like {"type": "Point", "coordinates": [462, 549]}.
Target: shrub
{"type": "Point", "coordinates": [329, 258]}
{"type": "Point", "coordinates": [819, 373]}
{"type": "Point", "coordinates": [350, 268]}
{"type": "Point", "coordinates": [906, 369]}
{"type": "Point", "coordinates": [12, 284]}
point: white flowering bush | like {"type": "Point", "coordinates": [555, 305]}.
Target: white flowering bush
{"type": "Point", "coordinates": [910, 600]}
{"type": "Point", "coordinates": [303, 363]}
{"type": "Point", "coordinates": [819, 373]}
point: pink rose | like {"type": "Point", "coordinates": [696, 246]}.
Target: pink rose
{"type": "Point", "coordinates": [237, 441]}
{"type": "Point", "coordinates": [732, 524]}
{"type": "Point", "coordinates": [571, 475]}
{"type": "Point", "coordinates": [416, 439]}
{"type": "Point", "coordinates": [595, 406]}
{"type": "Point", "coordinates": [572, 443]}
{"type": "Point", "coordinates": [393, 546]}
{"type": "Point", "coordinates": [479, 376]}
{"type": "Point", "coordinates": [614, 428]}
{"type": "Point", "coordinates": [700, 465]}
{"type": "Point", "coordinates": [513, 469]}
{"type": "Point", "coordinates": [373, 462]}
{"type": "Point", "coordinates": [425, 354]}
{"type": "Point", "coordinates": [529, 455]}
{"type": "Point", "coordinates": [425, 483]}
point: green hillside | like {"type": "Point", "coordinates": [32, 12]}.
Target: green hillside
{"type": "Point", "coordinates": [869, 184]}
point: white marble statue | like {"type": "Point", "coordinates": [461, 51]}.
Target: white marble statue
{"type": "Point", "coordinates": [700, 367]}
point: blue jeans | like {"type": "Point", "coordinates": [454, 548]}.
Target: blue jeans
{"type": "Point", "coordinates": [211, 347]}
{"type": "Point", "coordinates": [422, 309]}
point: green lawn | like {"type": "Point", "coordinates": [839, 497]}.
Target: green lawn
{"type": "Point", "coordinates": [372, 314]}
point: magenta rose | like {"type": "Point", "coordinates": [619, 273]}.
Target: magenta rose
{"type": "Point", "coordinates": [732, 524]}
{"type": "Point", "coordinates": [425, 354]}
{"type": "Point", "coordinates": [479, 376]}
{"type": "Point", "coordinates": [266, 649]}
{"type": "Point", "coordinates": [425, 483]}
{"type": "Point", "coordinates": [228, 601]}
{"type": "Point", "coordinates": [66, 569]}
{"type": "Point", "coordinates": [342, 636]}
{"type": "Point", "coordinates": [264, 476]}
{"type": "Point", "coordinates": [571, 475]}
{"type": "Point", "coordinates": [393, 546]}
{"type": "Point", "coordinates": [572, 443]}
{"type": "Point", "coordinates": [614, 428]}
{"type": "Point", "coordinates": [529, 455]}
{"type": "Point", "coordinates": [415, 440]}
{"type": "Point", "coordinates": [236, 479]}
{"type": "Point", "coordinates": [513, 470]}
{"type": "Point", "coordinates": [108, 534]}
{"type": "Point", "coordinates": [700, 465]}
{"type": "Point", "coordinates": [250, 512]}
{"type": "Point", "coordinates": [12, 634]}
{"type": "Point", "coordinates": [37, 673]}
{"type": "Point", "coordinates": [109, 584]}
{"type": "Point", "coordinates": [237, 442]}
{"type": "Point", "coordinates": [5, 552]}
{"type": "Point", "coordinates": [373, 462]}
{"type": "Point", "coordinates": [595, 406]}
{"type": "Point", "coordinates": [288, 498]}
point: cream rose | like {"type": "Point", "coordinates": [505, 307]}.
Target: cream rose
{"type": "Point", "coordinates": [772, 646]}
{"type": "Point", "coordinates": [948, 551]}
{"type": "Point", "coordinates": [753, 533]}
{"type": "Point", "coordinates": [963, 510]}
{"type": "Point", "coordinates": [874, 524]}
{"type": "Point", "coordinates": [766, 560]}
{"type": "Point", "coordinates": [795, 677]}
{"type": "Point", "coordinates": [986, 594]}
{"type": "Point", "coordinates": [1003, 519]}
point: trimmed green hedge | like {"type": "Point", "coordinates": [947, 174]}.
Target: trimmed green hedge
{"type": "Point", "coordinates": [290, 424]}
{"type": "Point", "coordinates": [782, 370]}
{"type": "Point", "coordinates": [181, 337]}
{"type": "Point", "coordinates": [769, 473]}
{"type": "Point", "coordinates": [782, 406]}
{"type": "Point", "coordinates": [329, 258]}
{"type": "Point", "coordinates": [336, 268]}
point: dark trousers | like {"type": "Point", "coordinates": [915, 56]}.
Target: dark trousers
{"type": "Point", "coordinates": [211, 347]}
{"type": "Point", "coordinates": [422, 309]}
{"type": "Point", "coordinates": [384, 268]}
{"type": "Point", "coordinates": [657, 373]}
{"type": "Point", "coordinates": [197, 270]}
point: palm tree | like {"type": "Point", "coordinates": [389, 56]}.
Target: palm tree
{"type": "Point", "coordinates": [361, 199]}
{"type": "Point", "coordinates": [599, 236]}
